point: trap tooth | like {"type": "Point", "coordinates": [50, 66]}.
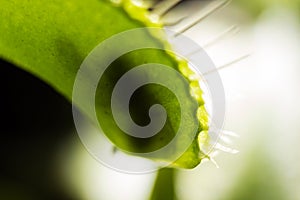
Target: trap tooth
{"type": "Point", "coordinates": [202, 116]}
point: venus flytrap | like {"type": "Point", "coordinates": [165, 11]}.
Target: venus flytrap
{"type": "Point", "coordinates": [51, 40]}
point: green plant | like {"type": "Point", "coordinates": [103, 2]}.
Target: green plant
{"type": "Point", "coordinates": [51, 39]}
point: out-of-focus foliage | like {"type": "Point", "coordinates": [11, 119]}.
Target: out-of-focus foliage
{"type": "Point", "coordinates": [256, 7]}
{"type": "Point", "coordinates": [258, 181]}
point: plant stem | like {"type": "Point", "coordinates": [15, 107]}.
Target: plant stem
{"type": "Point", "coordinates": [164, 187]}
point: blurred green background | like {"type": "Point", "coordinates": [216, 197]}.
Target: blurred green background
{"type": "Point", "coordinates": [42, 157]}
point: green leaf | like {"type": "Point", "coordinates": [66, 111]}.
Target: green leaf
{"type": "Point", "coordinates": [50, 39]}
